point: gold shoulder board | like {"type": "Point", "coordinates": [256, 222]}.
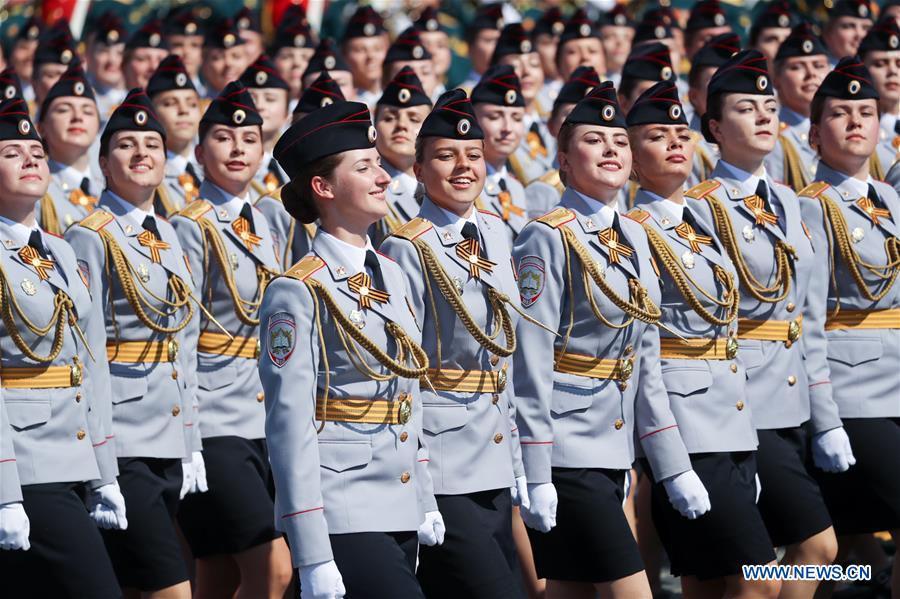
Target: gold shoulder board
{"type": "Point", "coordinates": [195, 210]}
{"type": "Point", "coordinates": [412, 229]}
{"type": "Point", "coordinates": [638, 215]}
{"type": "Point", "coordinates": [813, 190]}
{"type": "Point", "coordinates": [552, 178]}
{"type": "Point", "coordinates": [96, 220]}
{"type": "Point", "coordinates": [557, 218]}
{"type": "Point", "coordinates": [701, 190]}
{"type": "Point", "coordinates": [303, 269]}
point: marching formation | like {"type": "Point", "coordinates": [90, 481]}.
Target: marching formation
{"type": "Point", "coordinates": [289, 316]}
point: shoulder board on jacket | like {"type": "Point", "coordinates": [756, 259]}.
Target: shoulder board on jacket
{"type": "Point", "coordinates": [413, 229]}
{"type": "Point", "coordinates": [303, 269]}
{"type": "Point", "coordinates": [195, 210]}
{"type": "Point", "coordinates": [551, 178]}
{"type": "Point", "coordinates": [701, 190]}
{"type": "Point", "coordinates": [557, 217]}
{"type": "Point", "coordinates": [52, 234]}
{"type": "Point", "coordinates": [813, 190]}
{"type": "Point", "coordinates": [96, 220]}
{"type": "Point", "coordinates": [638, 215]}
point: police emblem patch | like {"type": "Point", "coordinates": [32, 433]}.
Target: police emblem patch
{"type": "Point", "coordinates": [282, 338]}
{"type": "Point", "coordinates": [531, 279]}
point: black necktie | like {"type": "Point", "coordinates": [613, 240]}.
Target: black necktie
{"type": "Point", "coordinates": [86, 186]}
{"type": "Point", "coordinates": [189, 169]}
{"type": "Point", "coordinates": [273, 168]}
{"type": "Point", "coordinates": [247, 214]}
{"type": "Point", "coordinates": [897, 127]}
{"type": "Point", "coordinates": [537, 131]}
{"type": "Point", "coordinates": [35, 241]}
{"type": "Point", "coordinates": [374, 269]}
{"type": "Point", "coordinates": [150, 225]}
{"type": "Point", "coordinates": [873, 195]}
{"type": "Point", "coordinates": [762, 190]}
{"type": "Point", "coordinates": [470, 231]}
{"type": "Point", "coordinates": [687, 217]}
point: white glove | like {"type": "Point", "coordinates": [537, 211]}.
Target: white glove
{"type": "Point", "coordinates": [187, 478]}
{"type": "Point", "coordinates": [626, 487]}
{"type": "Point", "coordinates": [199, 485]}
{"type": "Point", "coordinates": [432, 529]}
{"type": "Point", "coordinates": [321, 581]}
{"type": "Point", "coordinates": [107, 507]}
{"type": "Point", "coordinates": [758, 488]}
{"type": "Point", "coordinates": [14, 527]}
{"type": "Point", "coordinates": [832, 452]}
{"type": "Point", "coordinates": [519, 493]}
{"type": "Point", "coordinates": [687, 494]}
{"type": "Point", "coordinates": [540, 514]}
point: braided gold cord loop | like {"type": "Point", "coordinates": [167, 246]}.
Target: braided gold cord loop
{"type": "Point", "coordinates": [730, 300]}
{"type": "Point", "coordinates": [784, 256]}
{"type": "Point", "coordinates": [63, 312]}
{"type": "Point", "coordinates": [242, 307]}
{"type": "Point", "coordinates": [835, 220]}
{"type": "Point", "coordinates": [176, 285]}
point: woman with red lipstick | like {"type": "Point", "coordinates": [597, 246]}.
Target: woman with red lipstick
{"type": "Point", "coordinates": [700, 367]}
{"type": "Point", "coordinates": [229, 248]}
{"type": "Point", "coordinates": [781, 316]}
{"type": "Point", "coordinates": [854, 220]}
{"type": "Point", "coordinates": [587, 383]}
{"type": "Point", "coordinates": [69, 120]}
{"type": "Point", "coordinates": [340, 364]}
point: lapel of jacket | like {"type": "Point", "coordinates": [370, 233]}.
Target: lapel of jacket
{"type": "Point", "coordinates": [590, 225]}
{"type": "Point", "coordinates": [732, 189]}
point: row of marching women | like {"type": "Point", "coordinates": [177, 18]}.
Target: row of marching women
{"type": "Point", "coordinates": [289, 335]}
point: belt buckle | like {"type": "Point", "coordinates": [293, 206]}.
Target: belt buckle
{"type": "Point", "coordinates": [75, 374]}
{"type": "Point", "coordinates": [171, 349]}
{"type": "Point", "coordinates": [731, 347]}
{"type": "Point", "coordinates": [404, 410]}
{"type": "Point", "coordinates": [794, 331]}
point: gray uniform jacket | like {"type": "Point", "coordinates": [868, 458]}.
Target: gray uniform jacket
{"type": "Point", "coordinates": [572, 421]}
{"type": "Point", "coordinates": [705, 154]}
{"type": "Point", "coordinates": [290, 239]}
{"type": "Point", "coordinates": [793, 141]}
{"type": "Point", "coordinates": [229, 390]}
{"type": "Point", "coordinates": [472, 441]}
{"type": "Point", "coordinates": [788, 385]}
{"type": "Point", "coordinates": [64, 195]}
{"type": "Point", "coordinates": [514, 215]}
{"type": "Point", "coordinates": [542, 195]}
{"type": "Point", "coordinates": [402, 203]}
{"type": "Point", "coordinates": [58, 434]}
{"type": "Point", "coordinates": [350, 477]}
{"type": "Point", "coordinates": [863, 362]}
{"type": "Point", "coordinates": [708, 397]}
{"type": "Point", "coordinates": [893, 177]}
{"type": "Point", "coordinates": [173, 188]}
{"type": "Point", "coordinates": [526, 167]}
{"type": "Point", "coordinates": [154, 403]}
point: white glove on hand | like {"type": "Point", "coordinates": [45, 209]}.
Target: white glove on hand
{"type": "Point", "coordinates": [107, 507]}
{"type": "Point", "coordinates": [14, 527]}
{"type": "Point", "coordinates": [187, 478]}
{"type": "Point", "coordinates": [199, 484]}
{"type": "Point", "coordinates": [432, 529]}
{"type": "Point", "coordinates": [321, 581]}
{"type": "Point", "coordinates": [626, 487]}
{"type": "Point", "coordinates": [758, 488]}
{"type": "Point", "coordinates": [832, 452]}
{"type": "Point", "coordinates": [519, 493]}
{"type": "Point", "coordinates": [687, 494]}
{"type": "Point", "coordinates": [540, 514]}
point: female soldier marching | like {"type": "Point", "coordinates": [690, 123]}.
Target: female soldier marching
{"type": "Point", "coordinates": [340, 365]}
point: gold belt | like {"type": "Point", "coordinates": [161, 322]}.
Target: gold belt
{"type": "Point", "coordinates": [220, 344]}
{"type": "Point", "coordinates": [367, 411]}
{"type": "Point", "coordinates": [467, 381]}
{"type": "Point", "coordinates": [864, 319]}
{"type": "Point", "coordinates": [722, 348]}
{"type": "Point", "coordinates": [595, 368]}
{"type": "Point", "coordinates": [137, 352]}
{"type": "Point", "coordinates": [787, 331]}
{"type": "Point", "coordinates": [50, 377]}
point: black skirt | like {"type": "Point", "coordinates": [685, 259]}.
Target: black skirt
{"type": "Point", "coordinates": [728, 536]}
{"type": "Point", "coordinates": [147, 555]}
{"type": "Point", "coordinates": [866, 498]}
{"type": "Point", "coordinates": [591, 541]}
{"type": "Point", "coordinates": [791, 502]}
{"type": "Point", "coordinates": [237, 512]}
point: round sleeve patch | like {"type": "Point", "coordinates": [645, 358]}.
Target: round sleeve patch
{"type": "Point", "coordinates": [531, 279]}
{"type": "Point", "coordinates": [282, 338]}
